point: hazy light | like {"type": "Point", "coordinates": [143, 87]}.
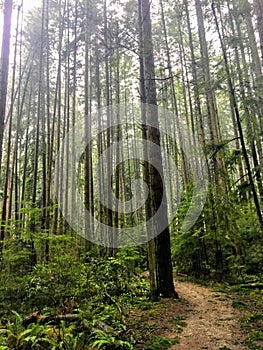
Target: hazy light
{"type": "Point", "coordinates": [27, 6]}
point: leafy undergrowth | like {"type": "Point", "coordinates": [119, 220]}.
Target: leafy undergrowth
{"type": "Point", "coordinates": [74, 303]}
{"type": "Point", "coordinates": [70, 304]}
{"type": "Point", "coordinates": [149, 321]}
{"type": "Point", "coordinates": [161, 343]}
{"type": "Point", "coordinates": [97, 303]}
{"type": "Point", "coordinates": [248, 298]}
{"type": "Point", "coordinates": [78, 305]}
{"type": "Point", "coordinates": [251, 301]}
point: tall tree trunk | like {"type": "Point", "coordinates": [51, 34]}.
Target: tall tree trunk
{"type": "Point", "coordinates": [109, 218]}
{"type": "Point", "coordinates": [211, 106]}
{"type": "Point", "coordinates": [57, 107]}
{"type": "Point", "coordinates": [88, 190]}
{"type": "Point", "coordinates": [258, 9]}
{"type": "Point", "coordinates": [37, 138]}
{"type": "Point", "coordinates": [148, 208]}
{"type": "Point", "coordinates": [4, 67]}
{"type": "Point", "coordinates": [198, 113]}
{"type": "Point", "coordinates": [24, 176]}
{"type": "Point", "coordinates": [118, 172]}
{"type": "Point", "coordinates": [164, 276]}
{"type": "Point", "coordinates": [7, 197]}
{"type": "Point", "coordinates": [174, 98]}
{"type": "Point", "coordinates": [238, 120]}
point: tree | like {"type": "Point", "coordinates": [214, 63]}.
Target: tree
{"type": "Point", "coordinates": [4, 68]}
{"type": "Point", "coordinates": [238, 121]}
{"type": "Point", "coordinates": [258, 9]}
{"type": "Point", "coordinates": [163, 273]}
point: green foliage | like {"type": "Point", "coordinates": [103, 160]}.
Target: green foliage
{"type": "Point", "coordinates": [180, 323]}
{"type": "Point", "coordinates": [253, 324]}
{"type": "Point", "coordinates": [161, 343]}
{"type": "Point", "coordinates": [49, 272]}
{"type": "Point", "coordinates": [34, 337]}
{"type": "Point", "coordinates": [225, 243]}
{"type": "Point", "coordinates": [250, 341]}
{"type": "Point", "coordinates": [58, 281]}
{"type": "Point", "coordinates": [99, 290]}
{"type": "Point", "coordinates": [104, 340]}
{"type": "Point", "coordinates": [238, 304]}
{"type": "Point", "coordinates": [38, 336]}
{"type": "Point", "coordinates": [252, 319]}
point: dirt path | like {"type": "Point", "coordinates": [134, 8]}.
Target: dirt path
{"type": "Point", "coordinates": [201, 319]}
{"type": "Point", "coordinates": [212, 322]}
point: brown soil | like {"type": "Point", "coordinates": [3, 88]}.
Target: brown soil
{"type": "Point", "coordinates": [211, 321]}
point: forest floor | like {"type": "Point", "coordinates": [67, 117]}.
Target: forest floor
{"type": "Point", "coordinates": [201, 319]}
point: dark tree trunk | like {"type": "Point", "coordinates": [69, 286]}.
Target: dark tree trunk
{"type": "Point", "coordinates": [164, 276]}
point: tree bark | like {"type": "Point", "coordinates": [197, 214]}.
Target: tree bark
{"type": "Point", "coordinates": [4, 67]}
{"type": "Point", "coordinates": [258, 9]}
{"type": "Point", "coordinates": [164, 276]}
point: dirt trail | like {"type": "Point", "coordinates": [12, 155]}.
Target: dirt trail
{"type": "Point", "coordinates": [211, 320]}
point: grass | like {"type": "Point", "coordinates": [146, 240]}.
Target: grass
{"type": "Point", "coordinates": [161, 343]}
{"type": "Point", "coordinates": [253, 324]}
{"type": "Point", "coordinates": [239, 304]}
{"type": "Point", "coordinates": [180, 323]}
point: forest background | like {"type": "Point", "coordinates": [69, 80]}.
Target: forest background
{"type": "Point", "coordinates": [68, 61]}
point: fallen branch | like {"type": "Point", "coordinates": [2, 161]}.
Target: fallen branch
{"type": "Point", "coordinates": [252, 285]}
{"type": "Point", "coordinates": [36, 317]}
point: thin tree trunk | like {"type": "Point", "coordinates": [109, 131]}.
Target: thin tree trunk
{"type": "Point", "coordinates": [238, 120]}
{"type": "Point", "coordinates": [7, 197]}
{"type": "Point", "coordinates": [4, 68]}
{"type": "Point", "coordinates": [57, 109]}
{"type": "Point", "coordinates": [258, 9]}
{"type": "Point", "coordinates": [88, 190]}
{"type": "Point", "coordinates": [109, 218]}
{"type": "Point", "coordinates": [37, 138]}
{"type": "Point", "coordinates": [198, 113]}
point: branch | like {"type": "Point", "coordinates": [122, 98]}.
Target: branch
{"type": "Point", "coordinates": [221, 145]}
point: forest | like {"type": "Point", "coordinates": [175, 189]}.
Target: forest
{"type": "Point", "coordinates": [131, 161]}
